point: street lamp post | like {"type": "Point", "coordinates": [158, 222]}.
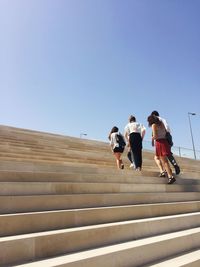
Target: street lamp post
{"type": "Point", "coordinates": [82, 134]}
{"type": "Point", "coordinates": [193, 114]}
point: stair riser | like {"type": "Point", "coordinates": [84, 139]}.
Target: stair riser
{"type": "Point", "coordinates": [140, 256]}
{"type": "Point", "coordinates": [188, 259]}
{"type": "Point", "coordinates": [27, 223]}
{"type": "Point", "coordinates": [12, 204]}
{"type": "Point", "coordinates": [80, 177]}
{"type": "Point", "coordinates": [72, 176]}
{"type": "Point", "coordinates": [17, 167]}
{"type": "Point", "coordinates": [44, 246]}
{"type": "Point", "coordinates": [26, 188]}
{"type": "Point", "coordinates": [191, 264]}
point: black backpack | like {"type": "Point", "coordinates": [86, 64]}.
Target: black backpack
{"type": "Point", "coordinates": [169, 138]}
{"type": "Point", "coordinates": [120, 140]}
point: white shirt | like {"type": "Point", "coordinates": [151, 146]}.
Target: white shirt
{"type": "Point", "coordinates": [134, 127]}
{"type": "Point", "coordinates": [165, 124]}
{"type": "Point", "coordinates": [113, 140]}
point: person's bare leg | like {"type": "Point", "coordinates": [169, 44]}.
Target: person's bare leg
{"type": "Point", "coordinates": [118, 160]}
{"type": "Point", "coordinates": [165, 163]}
{"type": "Point", "coordinates": [159, 164]}
{"type": "Point", "coordinates": [121, 164]}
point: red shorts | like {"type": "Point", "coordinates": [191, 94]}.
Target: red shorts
{"type": "Point", "coordinates": [162, 148]}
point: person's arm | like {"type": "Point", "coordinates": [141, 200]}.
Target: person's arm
{"type": "Point", "coordinates": [152, 140]}
{"type": "Point", "coordinates": [111, 142]}
{"type": "Point", "coordinates": [143, 131]}
{"type": "Point", "coordinates": [126, 134]}
{"type": "Point", "coordinates": [154, 131]}
{"type": "Point", "coordinates": [126, 137]}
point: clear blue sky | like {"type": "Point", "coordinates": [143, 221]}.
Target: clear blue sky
{"type": "Point", "coordinates": [83, 66]}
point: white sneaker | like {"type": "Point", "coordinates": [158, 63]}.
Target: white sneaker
{"type": "Point", "coordinates": [132, 165]}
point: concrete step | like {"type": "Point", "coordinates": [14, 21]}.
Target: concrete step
{"type": "Point", "coordinates": [59, 142]}
{"type": "Point", "coordinates": [126, 254]}
{"type": "Point", "coordinates": [69, 155]}
{"type": "Point", "coordinates": [63, 166]}
{"type": "Point", "coordinates": [88, 237]}
{"type": "Point", "coordinates": [67, 143]}
{"type": "Point", "coordinates": [69, 160]}
{"type": "Point", "coordinates": [105, 145]}
{"type": "Point", "coordinates": [16, 204]}
{"type": "Point", "coordinates": [63, 195]}
{"type": "Point", "coordinates": [37, 149]}
{"type": "Point", "coordinates": [22, 223]}
{"type": "Point", "coordinates": [47, 150]}
{"type": "Point", "coordinates": [120, 177]}
{"type": "Point", "coordinates": [27, 149]}
{"type": "Point", "coordinates": [57, 160]}
{"type": "Point", "coordinates": [79, 175]}
{"type": "Point", "coordinates": [89, 159]}
{"type": "Point", "coordinates": [79, 167]}
{"type": "Point", "coordinates": [24, 151]}
{"type": "Point", "coordinates": [19, 133]}
{"type": "Point", "coordinates": [41, 166]}
{"type": "Point", "coordinates": [47, 138]}
{"type": "Point", "coordinates": [50, 166]}
{"type": "Point", "coordinates": [57, 188]}
{"type": "Point", "coordinates": [189, 259]}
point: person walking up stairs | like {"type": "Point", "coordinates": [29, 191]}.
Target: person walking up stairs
{"type": "Point", "coordinates": [169, 139]}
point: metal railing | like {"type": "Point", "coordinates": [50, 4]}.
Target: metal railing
{"type": "Point", "coordinates": [179, 151]}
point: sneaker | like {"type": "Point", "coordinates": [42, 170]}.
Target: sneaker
{"type": "Point", "coordinates": [131, 166]}
{"type": "Point", "coordinates": [122, 166]}
{"type": "Point", "coordinates": [162, 174]}
{"type": "Point", "coordinates": [177, 169]}
{"type": "Point", "coordinates": [171, 180]}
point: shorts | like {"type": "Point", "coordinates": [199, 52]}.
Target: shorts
{"type": "Point", "coordinates": [163, 148]}
{"type": "Point", "coordinates": [118, 150]}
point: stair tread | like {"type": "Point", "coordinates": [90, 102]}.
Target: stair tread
{"type": "Point", "coordinates": [148, 205]}
{"type": "Point", "coordinates": [78, 256]}
{"type": "Point", "coordinates": [63, 201]}
{"type": "Point", "coordinates": [98, 226]}
{"type": "Point", "coordinates": [180, 260]}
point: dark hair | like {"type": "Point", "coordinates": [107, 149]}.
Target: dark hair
{"type": "Point", "coordinates": [113, 130]}
{"type": "Point", "coordinates": [155, 113]}
{"type": "Point", "coordinates": [132, 118]}
{"type": "Point", "coordinates": [153, 119]}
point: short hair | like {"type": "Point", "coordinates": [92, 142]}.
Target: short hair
{"type": "Point", "coordinates": [155, 112]}
{"type": "Point", "coordinates": [132, 118]}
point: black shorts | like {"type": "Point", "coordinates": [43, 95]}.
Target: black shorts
{"type": "Point", "coordinates": [118, 149]}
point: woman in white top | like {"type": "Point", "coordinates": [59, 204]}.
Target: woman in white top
{"type": "Point", "coordinates": [134, 134]}
{"type": "Point", "coordinates": [117, 144]}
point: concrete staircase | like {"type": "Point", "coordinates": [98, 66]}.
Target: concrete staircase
{"type": "Point", "coordinates": [64, 203]}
